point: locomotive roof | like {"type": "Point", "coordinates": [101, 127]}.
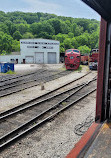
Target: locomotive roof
{"type": "Point", "coordinates": [74, 53]}
{"type": "Point", "coordinates": [103, 7]}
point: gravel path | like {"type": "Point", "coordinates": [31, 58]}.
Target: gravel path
{"type": "Point", "coordinates": [31, 93]}
{"type": "Point", "coordinates": [56, 138]}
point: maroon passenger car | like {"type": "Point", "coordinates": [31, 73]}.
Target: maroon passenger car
{"type": "Point", "coordinates": [96, 142]}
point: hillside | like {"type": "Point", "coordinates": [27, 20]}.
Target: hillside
{"type": "Point", "coordinates": [82, 34]}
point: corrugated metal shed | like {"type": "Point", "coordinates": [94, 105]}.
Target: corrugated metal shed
{"type": "Point", "coordinates": [103, 7]}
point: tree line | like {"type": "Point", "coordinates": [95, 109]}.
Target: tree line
{"type": "Point", "coordinates": [78, 33]}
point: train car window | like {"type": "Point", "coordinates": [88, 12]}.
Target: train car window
{"type": "Point", "coordinates": [72, 50]}
{"type": "Point", "coordinates": [76, 51]}
{"type": "Point", "coordinates": [71, 57]}
{"type": "Point", "coordinates": [69, 51]}
{"type": "Point", "coordinates": [78, 57]}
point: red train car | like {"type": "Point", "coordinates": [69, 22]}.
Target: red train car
{"type": "Point", "coordinates": [84, 59]}
{"type": "Point", "coordinates": [96, 142]}
{"type": "Point", "coordinates": [72, 59]}
{"type": "Point", "coordinates": [93, 59]}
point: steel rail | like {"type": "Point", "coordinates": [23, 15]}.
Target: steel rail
{"type": "Point", "coordinates": [35, 104]}
{"type": "Point", "coordinates": [32, 74]}
{"type": "Point", "coordinates": [19, 76]}
{"type": "Point", "coordinates": [17, 81]}
{"type": "Point", "coordinates": [14, 91]}
{"type": "Point", "coordinates": [5, 139]}
{"type": "Point", "coordinates": [21, 107]}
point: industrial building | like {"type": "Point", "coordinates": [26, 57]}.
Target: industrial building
{"type": "Point", "coordinates": [35, 51]}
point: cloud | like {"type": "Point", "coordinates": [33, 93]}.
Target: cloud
{"type": "Point", "coordinates": [41, 6]}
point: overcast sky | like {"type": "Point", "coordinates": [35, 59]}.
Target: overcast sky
{"type": "Point", "coordinates": [69, 8]}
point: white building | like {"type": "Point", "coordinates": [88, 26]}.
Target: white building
{"type": "Point", "coordinates": [35, 51]}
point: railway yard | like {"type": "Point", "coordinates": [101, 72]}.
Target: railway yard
{"type": "Point", "coordinates": [44, 110]}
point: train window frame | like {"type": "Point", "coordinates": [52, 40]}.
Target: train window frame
{"type": "Point", "coordinates": [71, 57]}
{"type": "Point", "coordinates": [76, 51]}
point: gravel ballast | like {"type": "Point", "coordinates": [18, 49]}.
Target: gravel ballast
{"type": "Point", "coordinates": [16, 99]}
{"type": "Point", "coordinates": [57, 137]}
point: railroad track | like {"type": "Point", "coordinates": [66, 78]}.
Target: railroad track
{"type": "Point", "coordinates": [19, 80]}
{"type": "Point", "coordinates": [17, 122]}
{"type": "Point", "coordinates": [25, 77]}
{"type": "Point", "coordinates": [42, 96]}
{"type": "Point", "coordinates": [14, 76]}
{"type": "Point", "coordinates": [7, 88]}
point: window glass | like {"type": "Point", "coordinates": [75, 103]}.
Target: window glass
{"type": "Point", "coordinates": [72, 50]}
{"type": "Point", "coordinates": [69, 51]}
{"type": "Point", "coordinates": [76, 51]}
{"type": "Point", "coordinates": [71, 57]}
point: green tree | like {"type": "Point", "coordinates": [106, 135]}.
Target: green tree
{"type": "Point", "coordinates": [47, 27]}
{"type": "Point", "coordinates": [56, 23]}
{"type": "Point", "coordinates": [17, 35]}
{"type": "Point", "coordinates": [71, 32]}
{"type": "Point", "coordinates": [74, 43]}
{"type": "Point", "coordinates": [60, 37]}
{"type": "Point", "coordinates": [15, 46]}
{"type": "Point", "coordinates": [77, 30]}
{"type": "Point", "coordinates": [71, 35]}
{"type": "Point", "coordinates": [94, 40]}
{"type": "Point", "coordinates": [31, 18]}
{"type": "Point", "coordinates": [4, 27]}
{"type": "Point", "coordinates": [5, 43]}
{"type": "Point", "coordinates": [28, 35]}
{"type": "Point", "coordinates": [64, 28]}
{"type": "Point", "coordinates": [83, 39]}
{"type": "Point", "coordinates": [22, 28]}
{"type": "Point", "coordinates": [62, 48]}
{"type": "Point", "coordinates": [67, 43]}
{"type": "Point", "coordinates": [83, 23]}
{"type": "Point", "coordinates": [11, 27]}
{"type": "Point", "coordinates": [36, 28]}
{"type": "Point", "coordinates": [84, 49]}
{"type": "Point", "coordinates": [44, 35]}
{"type": "Point", "coordinates": [92, 27]}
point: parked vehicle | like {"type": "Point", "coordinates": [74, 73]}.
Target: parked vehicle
{"type": "Point", "coordinates": [72, 59]}
{"type": "Point", "coordinates": [93, 59]}
{"type": "Point", "coordinates": [84, 59]}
